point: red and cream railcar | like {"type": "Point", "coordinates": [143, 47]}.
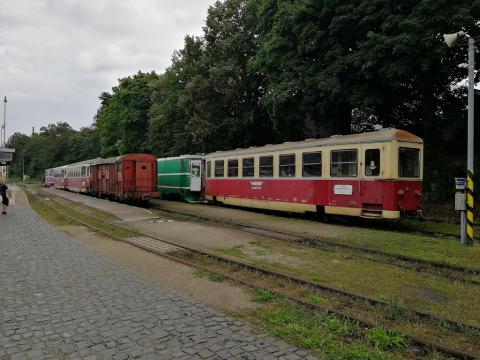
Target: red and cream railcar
{"type": "Point", "coordinates": [76, 177]}
{"type": "Point", "coordinates": [375, 174]}
{"type": "Point", "coordinates": [48, 179]}
{"type": "Point", "coordinates": [126, 177]}
{"type": "Point", "coordinates": [59, 177]}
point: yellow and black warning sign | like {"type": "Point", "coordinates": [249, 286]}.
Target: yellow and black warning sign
{"type": "Point", "coordinates": [469, 207]}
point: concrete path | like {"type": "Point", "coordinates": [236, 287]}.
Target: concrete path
{"type": "Point", "coordinates": [60, 300]}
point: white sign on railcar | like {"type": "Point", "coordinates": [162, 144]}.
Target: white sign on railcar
{"type": "Point", "coordinates": [256, 185]}
{"type": "Point", "coordinates": [343, 190]}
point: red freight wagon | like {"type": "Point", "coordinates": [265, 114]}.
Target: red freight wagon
{"type": "Point", "coordinates": [376, 174]}
{"type": "Point", "coordinates": [126, 177]}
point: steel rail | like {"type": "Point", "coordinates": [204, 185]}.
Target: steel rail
{"type": "Point", "coordinates": [364, 322]}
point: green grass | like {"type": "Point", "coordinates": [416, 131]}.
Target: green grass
{"type": "Point", "coordinates": [234, 251]}
{"type": "Point", "coordinates": [315, 299]}
{"type": "Point", "coordinates": [200, 273]}
{"type": "Point", "coordinates": [332, 337]}
{"type": "Point", "coordinates": [384, 339]}
{"type": "Point", "coordinates": [216, 277]}
{"type": "Point", "coordinates": [264, 296]}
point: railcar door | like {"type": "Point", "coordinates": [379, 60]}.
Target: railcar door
{"type": "Point", "coordinates": [143, 176]}
{"type": "Point", "coordinates": [128, 166]}
{"type": "Point", "coordinates": [371, 184]}
{"type": "Point", "coordinates": [196, 175]}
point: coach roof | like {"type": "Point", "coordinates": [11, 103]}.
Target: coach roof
{"type": "Point", "coordinates": [384, 135]}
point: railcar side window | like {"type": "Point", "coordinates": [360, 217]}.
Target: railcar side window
{"type": "Point", "coordinates": [232, 168]}
{"type": "Point", "coordinates": [209, 169]}
{"type": "Point", "coordinates": [219, 166]}
{"type": "Point", "coordinates": [248, 167]}
{"type": "Point", "coordinates": [266, 166]}
{"type": "Point", "coordinates": [343, 163]}
{"type": "Point", "coordinates": [287, 165]}
{"type": "Point", "coordinates": [409, 162]}
{"type": "Point", "coordinates": [312, 164]}
{"type": "Point", "coordinates": [372, 162]}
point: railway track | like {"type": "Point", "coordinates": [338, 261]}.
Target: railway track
{"type": "Point", "coordinates": [184, 254]}
{"type": "Point", "coordinates": [452, 272]}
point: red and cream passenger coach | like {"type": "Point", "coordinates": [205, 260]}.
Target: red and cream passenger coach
{"type": "Point", "coordinates": [375, 174]}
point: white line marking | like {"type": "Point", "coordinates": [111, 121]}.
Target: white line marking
{"type": "Point", "coordinates": [138, 219]}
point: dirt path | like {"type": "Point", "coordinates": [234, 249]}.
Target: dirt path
{"type": "Point", "coordinates": [183, 279]}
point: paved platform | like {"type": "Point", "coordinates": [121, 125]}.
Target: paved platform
{"type": "Point", "coordinates": [60, 300]}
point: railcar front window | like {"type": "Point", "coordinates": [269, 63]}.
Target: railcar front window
{"type": "Point", "coordinates": [233, 168]}
{"type": "Point", "coordinates": [343, 163]}
{"type": "Point", "coordinates": [209, 169]}
{"type": "Point", "coordinates": [219, 166]}
{"type": "Point", "coordinates": [409, 163]}
{"type": "Point", "coordinates": [266, 166]}
{"type": "Point", "coordinates": [372, 162]}
{"type": "Point", "coordinates": [312, 164]}
{"type": "Point", "coordinates": [287, 165]}
{"type": "Point", "coordinates": [248, 166]}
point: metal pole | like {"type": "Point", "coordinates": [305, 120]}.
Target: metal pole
{"type": "Point", "coordinates": [471, 83]}
{"type": "Point", "coordinates": [4, 118]}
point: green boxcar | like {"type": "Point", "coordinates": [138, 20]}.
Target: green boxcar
{"type": "Point", "coordinates": [181, 177]}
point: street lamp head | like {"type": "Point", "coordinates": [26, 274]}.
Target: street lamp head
{"type": "Point", "coordinates": [451, 38]}
{"type": "Point", "coordinates": [5, 99]}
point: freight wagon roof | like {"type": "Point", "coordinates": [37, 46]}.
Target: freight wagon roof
{"type": "Point", "coordinates": [115, 159]}
{"type": "Point", "coordinates": [384, 135]}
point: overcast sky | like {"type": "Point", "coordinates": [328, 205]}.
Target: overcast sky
{"type": "Point", "coordinates": [57, 56]}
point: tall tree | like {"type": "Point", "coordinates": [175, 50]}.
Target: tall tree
{"type": "Point", "coordinates": [122, 119]}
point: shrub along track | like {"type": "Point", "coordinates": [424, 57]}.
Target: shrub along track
{"type": "Point", "coordinates": [451, 338]}
{"type": "Point", "coordinates": [449, 271]}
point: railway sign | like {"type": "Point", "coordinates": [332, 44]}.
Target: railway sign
{"type": "Point", "coordinates": [6, 156]}
{"type": "Point", "coordinates": [460, 183]}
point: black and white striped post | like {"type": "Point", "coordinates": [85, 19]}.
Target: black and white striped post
{"type": "Point", "coordinates": [450, 40]}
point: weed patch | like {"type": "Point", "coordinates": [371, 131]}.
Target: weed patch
{"type": "Point", "coordinates": [385, 339]}
{"type": "Point", "coordinates": [234, 251]}
{"type": "Point", "coordinates": [264, 296]}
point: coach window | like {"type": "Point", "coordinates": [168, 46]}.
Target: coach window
{"type": "Point", "coordinates": [409, 162]}
{"type": "Point", "coordinates": [312, 164]}
{"type": "Point", "coordinates": [266, 166]}
{"type": "Point", "coordinates": [372, 162]}
{"type": "Point", "coordinates": [287, 165]}
{"type": "Point", "coordinates": [209, 169]}
{"type": "Point", "coordinates": [219, 168]}
{"type": "Point", "coordinates": [248, 167]}
{"type": "Point", "coordinates": [232, 168]}
{"type": "Point", "coordinates": [343, 163]}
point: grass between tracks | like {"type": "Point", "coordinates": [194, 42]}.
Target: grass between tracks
{"type": "Point", "coordinates": [44, 209]}
{"type": "Point", "coordinates": [342, 269]}
{"type": "Point", "coordinates": [384, 235]}
{"type": "Point", "coordinates": [332, 336]}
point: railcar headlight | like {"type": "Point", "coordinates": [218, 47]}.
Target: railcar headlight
{"type": "Point", "coordinates": [401, 192]}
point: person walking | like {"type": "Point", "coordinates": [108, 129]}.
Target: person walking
{"type": "Point", "coordinates": [3, 193]}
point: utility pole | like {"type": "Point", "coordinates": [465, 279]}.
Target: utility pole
{"type": "Point", "coordinates": [470, 142]}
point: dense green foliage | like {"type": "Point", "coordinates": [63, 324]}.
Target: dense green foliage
{"type": "Point", "coordinates": [54, 145]}
{"type": "Point", "coordinates": [266, 71]}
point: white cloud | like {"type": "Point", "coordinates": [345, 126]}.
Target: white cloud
{"type": "Point", "coordinates": [57, 56]}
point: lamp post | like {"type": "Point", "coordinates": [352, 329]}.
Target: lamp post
{"type": "Point", "coordinates": [450, 39]}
